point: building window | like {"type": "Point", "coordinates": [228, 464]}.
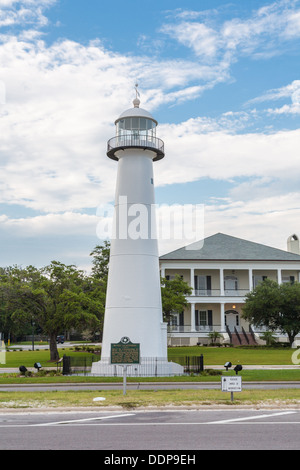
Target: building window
{"type": "Point", "coordinates": [203, 318]}
{"type": "Point", "coordinates": [287, 279]}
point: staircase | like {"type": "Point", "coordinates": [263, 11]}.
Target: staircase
{"type": "Point", "coordinates": [241, 338]}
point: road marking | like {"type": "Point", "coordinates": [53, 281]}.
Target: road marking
{"type": "Point", "coordinates": [74, 421]}
{"type": "Point", "coordinates": [232, 420]}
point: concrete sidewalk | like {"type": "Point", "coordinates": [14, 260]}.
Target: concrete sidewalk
{"type": "Point", "coordinates": [12, 370]}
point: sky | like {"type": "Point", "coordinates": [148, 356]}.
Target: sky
{"type": "Point", "coordinates": [221, 78]}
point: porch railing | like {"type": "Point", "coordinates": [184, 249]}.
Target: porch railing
{"type": "Point", "coordinates": [217, 292]}
{"type": "Point", "coordinates": [198, 328]}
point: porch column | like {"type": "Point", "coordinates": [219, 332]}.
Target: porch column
{"type": "Point", "coordinates": [221, 281]}
{"type": "Point", "coordinates": [279, 279]}
{"type": "Point", "coordinates": [193, 327]}
{"type": "Point", "coordinates": [222, 306]}
{"type": "Point", "coordinates": [192, 280]}
{"type": "Point", "coordinates": [250, 279]}
{"type": "Point", "coordinates": [162, 272]}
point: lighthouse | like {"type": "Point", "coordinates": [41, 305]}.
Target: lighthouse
{"type": "Point", "coordinates": [133, 310]}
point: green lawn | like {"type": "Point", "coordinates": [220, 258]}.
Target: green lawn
{"type": "Point", "coordinates": [246, 356]}
{"type": "Point", "coordinates": [146, 398]}
{"type": "Point", "coordinates": [247, 376]}
{"type": "Point", "coordinates": [27, 358]}
{"type": "Point", "coordinates": [211, 356]}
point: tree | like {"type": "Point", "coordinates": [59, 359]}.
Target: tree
{"type": "Point", "coordinates": [268, 337]}
{"type": "Point", "coordinates": [101, 261]}
{"type": "Point", "coordinates": [173, 294]}
{"type": "Point", "coordinates": [56, 298]}
{"type": "Point", "coordinates": [275, 306]}
{"type": "Point", "coordinates": [214, 335]}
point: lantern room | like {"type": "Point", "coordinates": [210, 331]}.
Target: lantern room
{"type": "Point", "coordinates": [136, 128]}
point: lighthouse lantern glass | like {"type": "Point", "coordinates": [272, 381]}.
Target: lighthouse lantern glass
{"type": "Point", "coordinates": [137, 126]}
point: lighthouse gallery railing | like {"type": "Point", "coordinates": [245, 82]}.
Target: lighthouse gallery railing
{"type": "Point", "coordinates": [135, 140]}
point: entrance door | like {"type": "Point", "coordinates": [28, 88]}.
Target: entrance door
{"type": "Point", "coordinates": [232, 320]}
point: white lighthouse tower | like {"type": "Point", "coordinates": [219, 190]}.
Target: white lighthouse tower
{"type": "Point", "coordinates": [133, 302]}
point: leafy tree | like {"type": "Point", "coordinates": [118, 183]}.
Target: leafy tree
{"type": "Point", "coordinates": [173, 294]}
{"type": "Point", "coordinates": [214, 335]}
{"type": "Point", "coordinates": [275, 306]}
{"type": "Point", "coordinates": [100, 262]}
{"type": "Point", "coordinates": [56, 298]}
{"type": "Point", "coordinates": [268, 337]}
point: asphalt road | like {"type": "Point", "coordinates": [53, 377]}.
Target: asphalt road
{"type": "Point", "coordinates": [143, 386]}
{"type": "Point", "coordinates": [167, 433]}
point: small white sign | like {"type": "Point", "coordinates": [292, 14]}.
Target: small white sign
{"type": "Point", "coordinates": [232, 384]}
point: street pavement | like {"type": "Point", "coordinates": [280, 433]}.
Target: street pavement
{"type": "Point", "coordinates": [176, 434]}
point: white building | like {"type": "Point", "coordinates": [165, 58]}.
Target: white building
{"type": "Point", "coordinates": [221, 273]}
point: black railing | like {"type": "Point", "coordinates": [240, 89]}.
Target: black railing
{"type": "Point", "coordinates": [82, 365]}
{"type": "Point", "coordinates": [229, 333]}
{"type": "Point", "coordinates": [121, 142]}
{"type": "Point", "coordinates": [217, 292]}
{"type": "Point", "coordinates": [238, 335]}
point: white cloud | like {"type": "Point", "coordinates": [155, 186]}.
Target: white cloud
{"type": "Point", "coordinates": [66, 223]}
{"type": "Point", "coordinates": [61, 103]}
{"type": "Point", "coordinates": [268, 220]}
{"type": "Point", "coordinates": [261, 35]}
{"type": "Point", "coordinates": [219, 154]}
{"type": "Point", "coordinates": [24, 12]}
{"type": "Point", "coordinates": [290, 91]}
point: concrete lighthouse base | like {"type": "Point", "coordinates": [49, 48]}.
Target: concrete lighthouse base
{"type": "Point", "coordinates": [148, 367]}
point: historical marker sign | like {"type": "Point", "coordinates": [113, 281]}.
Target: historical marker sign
{"type": "Point", "coordinates": [125, 352]}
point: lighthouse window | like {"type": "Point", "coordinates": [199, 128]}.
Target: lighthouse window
{"type": "Point", "coordinates": [135, 123]}
{"type": "Point", "coordinates": [143, 124]}
{"type": "Point", "coordinates": [128, 124]}
{"type": "Point", "coordinates": [137, 126]}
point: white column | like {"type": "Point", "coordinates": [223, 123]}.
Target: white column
{"type": "Point", "coordinates": [192, 280]}
{"type": "Point", "coordinates": [222, 317]}
{"type": "Point", "coordinates": [193, 326]}
{"type": "Point", "coordinates": [221, 281]}
{"type": "Point", "coordinates": [162, 272]}
{"type": "Point", "coordinates": [250, 279]}
{"type": "Point", "coordinates": [279, 279]}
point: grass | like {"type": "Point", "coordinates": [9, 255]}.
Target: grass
{"type": "Point", "coordinates": [135, 399]}
{"type": "Point", "coordinates": [27, 357]}
{"type": "Point", "coordinates": [211, 355]}
{"type": "Point", "coordinates": [243, 355]}
{"type": "Point", "coordinates": [247, 376]}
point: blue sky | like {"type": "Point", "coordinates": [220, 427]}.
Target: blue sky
{"type": "Point", "coordinates": [222, 79]}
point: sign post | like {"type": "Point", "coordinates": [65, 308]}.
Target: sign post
{"type": "Point", "coordinates": [123, 354]}
{"type": "Point", "coordinates": [231, 384]}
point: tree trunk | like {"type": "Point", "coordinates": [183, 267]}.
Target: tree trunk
{"type": "Point", "coordinates": [54, 356]}
{"type": "Point", "coordinates": [291, 337]}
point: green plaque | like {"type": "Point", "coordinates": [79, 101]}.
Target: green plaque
{"type": "Point", "coordinates": [125, 352]}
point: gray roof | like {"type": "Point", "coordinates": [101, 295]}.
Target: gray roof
{"type": "Point", "coordinates": [226, 247]}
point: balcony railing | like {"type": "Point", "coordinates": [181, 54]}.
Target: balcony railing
{"type": "Point", "coordinates": [217, 292]}
{"type": "Point", "coordinates": [144, 142]}
{"type": "Point", "coordinates": [188, 328]}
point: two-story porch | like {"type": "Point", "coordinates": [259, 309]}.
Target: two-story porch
{"type": "Point", "coordinates": [219, 288]}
